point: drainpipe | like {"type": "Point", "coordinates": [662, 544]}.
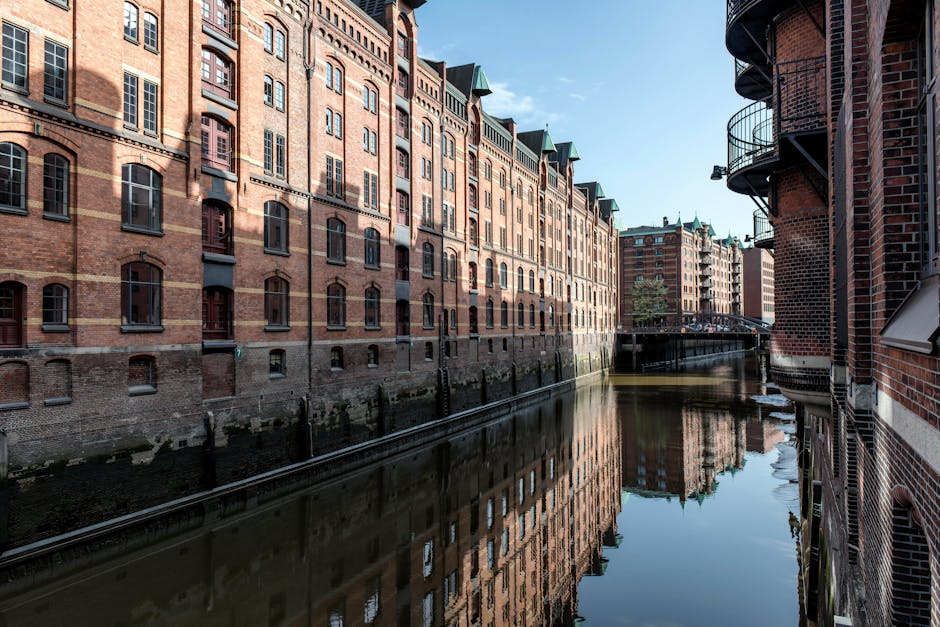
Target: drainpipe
{"type": "Point", "coordinates": [310, 68]}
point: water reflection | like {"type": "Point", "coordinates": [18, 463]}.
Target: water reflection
{"type": "Point", "coordinates": [492, 526]}
{"type": "Point", "coordinates": [708, 481]}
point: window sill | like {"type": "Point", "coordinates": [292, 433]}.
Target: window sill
{"type": "Point", "coordinates": [275, 251]}
{"type": "Point", "coordinates": [222, 100]}
{"type": "Point", "coordinates": [335, 262]}
{"type": "Point", "coordinates": [371, 267]}
{"type": "Point", "coordinates": [334, 369]}
{"type": "Point", "coordinates": [130, 228]}
{"type": "Point", "coordinates": [218, 258]}
{"type": "Point", "coordinates": [56, 217]}
{"type": "Point", "coordinates": [62, 4]}
{"type": "Point", "coordinates": [222, 174]}
{"type": "Point", "coordinates": [151, 49]}
{"type": "Point", "coordinates": [141, 328]}
{"type": "Point", "coordinates": [276, 328]}
{"type": "Point", "coordinates": [52, 402]}
{"type": "Point", "coordinates": [373, 328]}
{"type": "Point", "coordinates": [15, 405]}
{"type": "Point", "coordinates": [277, 375]}
{"type": "Point", "coordinates": [132, 40]}
{"type": "Point", "coordinates": [219, 37]}
{"type": "Point", "coordinates": [55, 102]}
{"type": "Point", "coordinates": [20, 90]}
{"type": "Point", "coordinates": [336, 327]}
{"type": "Point", "coordinates": [141, 390]}
{"type": "Point", "coordinates": [14, 210]}
{"type": "Point", "coordinates": [218, 344]}
{"type": "Point", "coordinates": [55, 328]}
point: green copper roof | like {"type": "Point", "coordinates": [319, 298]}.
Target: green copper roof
{"type": "Point", "coordinates": [711, 231]}
{"type": "Point", "coordinates": [696, 224]}
{"type": "Point", "coordinates": [573, 154]}
{"type": "Point", "coordinates": [729, 241]}
{"type": "Point", "coordinates": [547, 144]}
{"type": "Point", "coordinates": [481, 87]}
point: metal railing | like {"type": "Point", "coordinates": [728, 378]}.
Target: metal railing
{"type": "Point", "coordinates": [740, 67]}
{"type": "Point", "coordinates": [737, 7]}
{"type": "Point", "coordinates": [751, 136]}
{"type": "Point", "coordinates": [801, 94]}
{"type": "Point", "coordinates": [763, 230]}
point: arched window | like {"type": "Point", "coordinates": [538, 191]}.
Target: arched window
{"type": "Point", "coordinates": [520, 315]}
{"type": "Point", "coordinates": [336, 358]}
{"type": "Point", "coordinates": [472, 197]}
{"type": "Point", "coordinates": [427, 265]}
{"type": "Point", "coordinates": [472, 275]}
{"type": "Point", "coordinates": [474, 322]}
{"type": "Point", "coordinates": [280, 45]}
{"type": "Point", "coordinates": [372, 252]}
{"type": "Point", "coordinates": [404, 208]}
{"type": "Point", "coordinates": [279, 96]}
{"type": "Point", "coordinates": [504, 314]}
{"type": "Point", "coordinates": [55, 185]}
{"type": "Point", "coordinates": [216, 313]}
{"type": "Point", "coordinates": [520, 279]}
{"type": "Point", "coordinates": [489, 313]}
{"type": "Point", "coordinates": [130, 21]}
{"type": "Point", "coordinates": [12, 297]}
{"type": "Point", "coordinates": [268, 91]}
{"type": "Point", "coordinates": [55, 306]}
{"type": "Point", "coordinates": [473, 232]}
{"type": "Point", "coordinates": [427, 309]}
{"type": "Point", "coordinates": [532, 281]}
{"type": "Point", "coordinates": [402, 124]}
{"type": "Point", "coordinates": [451, 259]}
{"type": "Point", "coordinates": [551, 316]}
{"type": "Point", "coordinates": [268, 38]}
{"type": "Point", "coordinates": [141, 375]}
{"type": "Point", "coordinates": [336, 306]}
{"type": "Point", "coordinates": [373, 299]}
{"type": "Point", "coordinates": [216, 143]}
{"type": "Point", "coordinates": [216, 227]}
{"type": "Point", "coordinates": [275, 227]}
{"type": "Point", "coordinates": [488, 268]}
{"type": "Point", "coordinates": [403, 84]}
{"type": "Point", "coordinates": [503, 276]}
{"type": "Point", "coordinates": [277, 302]}
{"type": "Point", "coordinates": [151, 31]}
{"type": "Point", "coordinates": [335, 240]}
{"type": "Point", "coordinates": [141, 290]}
{"type": "Point", "coordinates": [402, 317]}
{"type": "Point", "coordinates": [372, 355]}
{"type": "Point", "coordinates": [218, 15]}
{"type": "Point", "coordinates": [141, 198]}
{"type": "Point", "coordinates": [12, 176]}
{"type": "Point", "coordinates": [338, 79]}
{"type": "Point", "coordinates": [217, 73]}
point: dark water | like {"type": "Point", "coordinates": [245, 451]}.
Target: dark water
{"type": "Point", "coordinates": [648, 500]}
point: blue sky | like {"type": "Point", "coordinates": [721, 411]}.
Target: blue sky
{"type": "Point", "coordinates": [644, 89]}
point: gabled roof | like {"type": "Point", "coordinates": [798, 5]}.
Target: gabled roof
{"type": "Point", "coordinates": [376, 8]}
{"type": "Point", "coordinates": [594, 190]}
{"type": "Point", "coordinates": [608, 206]}
{"type": "Point", "coordinates": [469, 79]}
{"type": "Point", "coordinates": [564, 153]}
{"type": "Point", "coordinates": [538, 142]}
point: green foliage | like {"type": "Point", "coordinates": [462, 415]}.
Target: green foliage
{"type": "Point", "coordinates": [649, 300]}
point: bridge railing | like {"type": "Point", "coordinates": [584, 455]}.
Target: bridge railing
{"type": "Point", "coordinates": [699, 323]}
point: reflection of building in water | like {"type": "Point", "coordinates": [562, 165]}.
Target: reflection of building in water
{"type": "Point", "coordinates": [493, 526]}
{"type": "Point", "coordinates": [672, 450]}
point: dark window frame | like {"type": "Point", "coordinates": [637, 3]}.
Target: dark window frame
{"type": "Point", "coordinates": [141, 297]}
{"type": "Point", "coordinates": [276, 303]}
{"type": "Point", "coordinates": [276, 227]}
{"type": "Point", "coordinates": [131, 185]}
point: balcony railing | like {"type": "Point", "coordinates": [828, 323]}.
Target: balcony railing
{"type": "Point", "coordinates": [763, 230]}
{"type": "Point", "coordinates": [750, 136]}
{"type": "Point", "coordinates": [801, 94]}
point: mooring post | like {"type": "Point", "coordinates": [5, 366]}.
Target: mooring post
{"type": "Point", "coordinates": [633, 352]}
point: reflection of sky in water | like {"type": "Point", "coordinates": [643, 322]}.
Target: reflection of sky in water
{"type": "Point", "coordinates": [727, 562]}
{"type": "Point", "coordinates": [774, 400]}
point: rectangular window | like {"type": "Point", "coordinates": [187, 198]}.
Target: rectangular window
{"type": "Point", "coordinates": [268, 151]}
{"type": "Point", "coordinates": [373, 143]}
{"type": "Point", "coordinates": [130, 100]}
{"type": "Point", "coordinates": [55, 75]}
{"type": "Point", "coordinates": [15, 56]}
{"type": "Point", "coordinates": [150, 107]}
{"type": "Point", "coordinates": [280, 149]}
{"type": "Point", "coordinates": [329, 176]}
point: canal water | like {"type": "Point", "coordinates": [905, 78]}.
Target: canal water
{"type": "Point", "coordinates": [649, 500]}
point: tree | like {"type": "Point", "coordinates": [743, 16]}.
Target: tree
{"type": "Point", "coordinates": [649, 301]}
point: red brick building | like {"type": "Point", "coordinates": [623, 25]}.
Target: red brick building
{"type": "Point", "coordinates": [758, 279]}
{"type": "Point", "coordinates": [239, 214]}
{"type": "Point", "coordinates": [840, 149]}
{"type": "Point", "coordinates": [701, 274]}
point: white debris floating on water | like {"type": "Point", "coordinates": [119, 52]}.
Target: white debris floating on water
{"type": "Point", "coordinates": [774, 400]}
{"type": "Point", "coordinates": [781, 415]}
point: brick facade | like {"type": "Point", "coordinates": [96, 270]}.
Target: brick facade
{"type": "Point", "coordinates": [262, 217]}
{"type": "Point", "coordinates": [852, 199]}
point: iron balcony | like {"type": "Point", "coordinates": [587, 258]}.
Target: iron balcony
{"type": "Point", "coordinates": [763, 230]}
{"type": "Point", "coordinates": [753, 80]}
{"type": "Point", "coordinates": [746, 28]}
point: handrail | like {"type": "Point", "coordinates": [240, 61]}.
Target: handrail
{"type": "Point", "coordinates": [751, 136]}
{"type": "Point", "coordinates": [763, 229]}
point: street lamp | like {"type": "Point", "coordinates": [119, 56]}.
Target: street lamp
{"type": "Point", "coordinates": [718, 172]}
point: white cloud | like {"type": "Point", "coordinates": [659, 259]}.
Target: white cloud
{"type": "Point", "coordinates": [579, 97]}
{"type": "Point", "coordinates": [564, 79]}
{"type": "Point", "coordinates": [505, 103]}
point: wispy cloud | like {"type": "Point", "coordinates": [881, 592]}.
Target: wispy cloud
{"type": "Point", "coordinates": [564, 79]}
{"type": "Point", "coordinates": [506, 103]}
{"type": "Point", "coordinates": [579, 97]}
